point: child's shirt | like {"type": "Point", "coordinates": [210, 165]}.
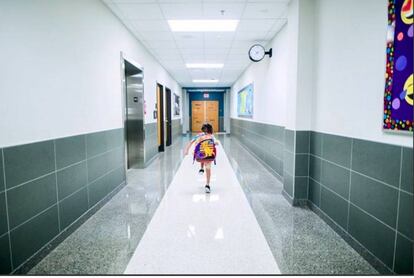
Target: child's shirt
{"type": "Point", "coordinates": [203, 136]}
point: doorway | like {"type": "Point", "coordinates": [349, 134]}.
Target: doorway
{"type": "Point", "coordinates": [134, 115]}
{"type": "Point", "coordinates": [168, 119]}
{"type": "Point", "coordinates": [204, 111]}
{"type": "Point", "coordinates": [160, 117]}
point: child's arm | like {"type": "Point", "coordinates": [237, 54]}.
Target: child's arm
{"type": "Point", "coordinates": [216, 141]}
{"type": "Point", "coordinates": [187, 147]}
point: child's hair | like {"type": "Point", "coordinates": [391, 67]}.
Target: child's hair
{"type": "Point", "coordinates": [207, 128]}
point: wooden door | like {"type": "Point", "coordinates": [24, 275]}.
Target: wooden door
{"type": "Point", "coordinates": [212, 114]}
{"type": "Point", "coordinates": [202, 112]}
{"type": "Point", "coordinates": [197, 115]}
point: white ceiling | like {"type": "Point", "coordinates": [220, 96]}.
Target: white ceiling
{"type": "Point", "coordinates": [260, 20]}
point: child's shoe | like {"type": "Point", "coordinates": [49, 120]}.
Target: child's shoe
{"type": "Point", "coordinates": [201, 171]}
{"type": "Point", "coordinates": [208, 188]}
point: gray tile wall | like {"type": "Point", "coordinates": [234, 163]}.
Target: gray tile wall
{"type": "Point", "coordinates": [46, 186]}
{"type": "Point", "coordinates": [265, 141]}
{"type": "Point", "coordinates": [366, 190]}
{"type": "Point", "coordinates": [151, 142]}
{"type": "Point", "coordinates": [363, 189]}
{"type": "Point", "coordinates": [176, 129]}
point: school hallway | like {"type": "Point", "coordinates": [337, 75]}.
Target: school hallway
{"type": "Point", "coordinates": [166, 224]}
{"type": "Point", "coordinates": [311, 102]}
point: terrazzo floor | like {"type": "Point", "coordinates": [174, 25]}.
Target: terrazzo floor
{"type": "Point", "coordinates": [301, 243]}
{"type": "Point", "coordinates": [197, 233]}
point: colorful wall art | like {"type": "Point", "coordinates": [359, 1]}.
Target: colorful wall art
{"type": "Point", "coordinates": [398, 97]}
{"type": "Point", "coordinates": [245, 102]}
{"type": "Point", "coordinates": [176, 105]}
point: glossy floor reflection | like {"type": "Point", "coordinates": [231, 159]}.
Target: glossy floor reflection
{"type": "Point", "coordinates": [300, 241]}
{"type": "Point", "coordinates": [197, 233]}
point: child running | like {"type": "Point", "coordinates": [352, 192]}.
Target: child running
{"type": "Point", "coordinates": [205, 144]}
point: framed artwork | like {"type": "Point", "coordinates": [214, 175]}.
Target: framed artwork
{"type": "Point", "coordinates": [176, 105]}
{"type": "Point", "coordinates": [245, 102]}
{"type": "Point", "coordinates": [398, 96]}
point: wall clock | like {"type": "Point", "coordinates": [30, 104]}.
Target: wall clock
{"type": "Point", "coordinates": [257, 53]}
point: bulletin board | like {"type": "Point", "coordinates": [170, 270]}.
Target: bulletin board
{"type": "Point", "coordinates": [245, 102]}
{"type": "Point", "coordinates": [398, 97]}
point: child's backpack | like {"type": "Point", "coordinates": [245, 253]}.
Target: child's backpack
{"type": "Point", "coordinates": [205, 151]}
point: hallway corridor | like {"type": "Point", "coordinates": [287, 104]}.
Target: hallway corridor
{"type": "Point", "coordinates": [214, 235]}
{"type": "Point", "coordinates": [313, 109]}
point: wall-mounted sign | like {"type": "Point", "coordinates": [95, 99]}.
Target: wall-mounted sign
{"type": "Point", "coordinates": [206, 95]}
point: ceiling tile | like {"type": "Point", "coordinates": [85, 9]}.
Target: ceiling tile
{"type": "Point", "coordinates": [140, 11]}
{"type": "Point", "coordinates": [187, 36]}
{"type": "Point", "coordinates": [146, 19]}
{"type": "Point", "coordinates": [157, 36]}
{"type": "Point", "coordinates": [253, 25]}
{"type": "Point", "coordinates": [217, 44]}
{"type": "Point", "coordinates": [264, 10]}
{"type": "Point", "coordinates": [150, 25]}
{"type": "Point", "coordinates": [159, 45]}
{"type": "Point", "coordinates": [251, 36]}
{"type": "Point", "coordinates": [215, 58]}
{"type": "Point", "coordinates": [218, 36]}
{"type": "Point", "coordinates": [190, 10]}
{"type": "Point", "coordinates": [231, 10]}
{"type": "Point", "coordinates": [196, 44]}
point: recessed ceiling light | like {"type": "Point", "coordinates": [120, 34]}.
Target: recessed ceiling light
{"type": "Point", "coordinates": [205, 80]}
{"type": "Point", "coordinates": [203, 25]}
{"type": "Point", "coordinates": [204, 66]}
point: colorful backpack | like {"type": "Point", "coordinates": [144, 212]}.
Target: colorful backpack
{"type": "Point", "coordinates": [205, 151]}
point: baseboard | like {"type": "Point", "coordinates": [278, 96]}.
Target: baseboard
{"type": "Point", "coordinates": [287, 197]}
{"type": "Point", "coordinates": [151, 160]}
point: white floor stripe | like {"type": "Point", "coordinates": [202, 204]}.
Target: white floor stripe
{"type": "Point", "coordinates": [196, 233]}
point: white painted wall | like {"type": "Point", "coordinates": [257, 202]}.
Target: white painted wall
{"type": "Point", "coordinates": [350, 45]}
{"type": "Point", "coordinates": [270, 83]}
{"type": "Point", "coordinates": [60, 69]}
{"type": "Point", "coordinates": [305, 63]}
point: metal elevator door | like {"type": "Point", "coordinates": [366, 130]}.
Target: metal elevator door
{"type": "Point", "coordinates": [135, 119]}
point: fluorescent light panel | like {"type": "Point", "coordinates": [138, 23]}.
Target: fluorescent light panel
{"type": "Point", "coordinates": [203, 25]}
{"type": "Point", "coordinates": [204, 66]}
{"type": "Point", "coordinates": [205, 80]}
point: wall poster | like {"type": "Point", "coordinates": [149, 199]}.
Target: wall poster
{"type": "Point", "coordinates": [245, 102]}
{"type": "Point", "coordinates": [176, 105]}
{"type": "Point", "coordinates": [398, 97]}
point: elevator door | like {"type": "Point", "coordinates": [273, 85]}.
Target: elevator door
{"type": "Point", "coordinates": [134, 119]}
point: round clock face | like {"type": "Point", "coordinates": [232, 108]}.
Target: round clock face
{"type": "Point", "coordinates": [256, 53]}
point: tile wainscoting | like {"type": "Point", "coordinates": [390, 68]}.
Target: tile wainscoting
{"type": "Point", "coordinates": [47, 187]}
{"type": "Point", "coordinates": [362, 189]}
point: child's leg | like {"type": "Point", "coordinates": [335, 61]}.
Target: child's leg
{"type": "Point", "coordinates": [208, 172]}
{"type": "Point", "coordinates": [201, 171]}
